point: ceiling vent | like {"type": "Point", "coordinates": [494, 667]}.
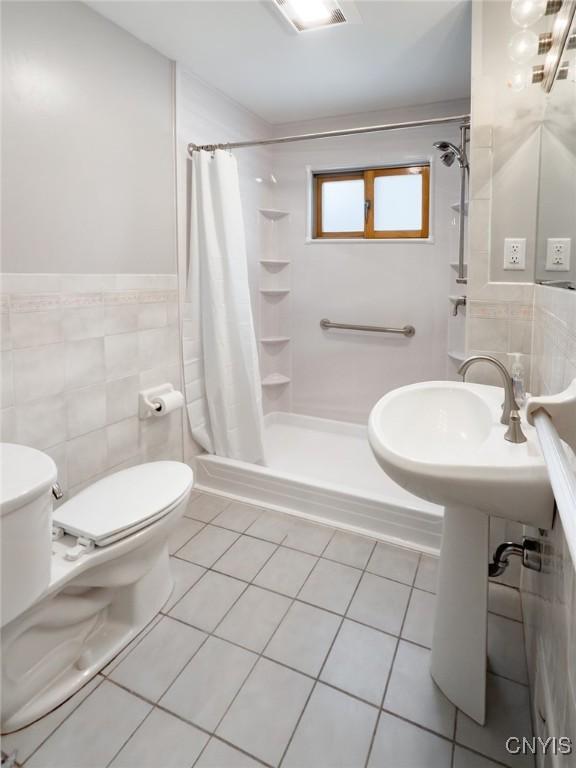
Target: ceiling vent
{"type": "Point", "coordinates": [304, 15]}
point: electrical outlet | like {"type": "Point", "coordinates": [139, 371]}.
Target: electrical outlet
{"type": "Point", "coordinates": [558, 254]}
{"type": "Point", "coordinates": [515, 253]}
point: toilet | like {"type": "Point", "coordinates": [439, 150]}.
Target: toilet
{"type": "Point", "coordinates": [80, 581]}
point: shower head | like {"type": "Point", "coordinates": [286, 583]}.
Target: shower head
{"type": "Point", "coordinates": [448, 158]}
{"type": "Point", "coordinates": [451, 152]}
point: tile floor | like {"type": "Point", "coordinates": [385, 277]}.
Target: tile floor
{"type": "Point", "coordinates": [286, 644]}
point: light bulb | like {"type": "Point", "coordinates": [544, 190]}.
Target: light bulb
{"type": "Point", "coordinates": [518, 81]}
{"type": "Point", "coordinates": [523, 46]}
{"type": "Point", "coordinates": [527, 12]}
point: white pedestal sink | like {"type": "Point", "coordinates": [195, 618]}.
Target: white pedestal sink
{"type": "Point", "coordinates": [443, 441]}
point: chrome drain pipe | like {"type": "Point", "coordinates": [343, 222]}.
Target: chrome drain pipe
{"type": "Point", "coordinates": [529, 551]}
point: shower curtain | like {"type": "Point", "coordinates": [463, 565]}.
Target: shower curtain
{"type": "Point", "coordinates": [227, 417]}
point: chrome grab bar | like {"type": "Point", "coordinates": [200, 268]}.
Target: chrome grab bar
{"type": "Point", "coordinates": [407, 330]}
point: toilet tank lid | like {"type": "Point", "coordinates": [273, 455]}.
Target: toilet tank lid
{"type": "Point", "coordinates": [125, 500]}
{"type": "Point", "coordinates": [25, 474]}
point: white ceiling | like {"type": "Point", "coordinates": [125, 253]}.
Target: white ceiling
{"type": "Point", "coordinates": [400, 53]}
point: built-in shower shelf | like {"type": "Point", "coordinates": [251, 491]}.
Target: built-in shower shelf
{"type": "Point", "coordinates": [275, 380]}
{"type": "Point", "coordinates": [458, 357]}
{"type": "Point", "coordinates": [274, 291]}
{"type": "Point", "coordinates": [274, 262]}
{"type": "Point", "coordinates": [275, 340]}
{"type": "Point", "coordinates": [454, 266]}
{"type": "Point", "coordinates": [273, 213]}
{"type": "Point", "coordinates": [456, 207]}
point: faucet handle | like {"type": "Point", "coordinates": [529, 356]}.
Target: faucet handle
{"type": "Point", "coordinates": [514, 432]}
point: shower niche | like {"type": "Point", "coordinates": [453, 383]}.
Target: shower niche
{"type": "Point", "coordinates": [274, 288]}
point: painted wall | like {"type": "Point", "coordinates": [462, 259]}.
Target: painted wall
{"type": "Point", "coordinates": [339, 374]}
{"type": "Point", "coordinates": [89, 290]}
{"type": "Point", "coordinates": [87, 145]}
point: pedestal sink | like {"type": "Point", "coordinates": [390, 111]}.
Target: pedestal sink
{"type": "Point", "coordinates": [443, 441]}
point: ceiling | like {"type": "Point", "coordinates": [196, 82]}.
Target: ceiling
{"type": "Point", "coordinates": [397, 53]}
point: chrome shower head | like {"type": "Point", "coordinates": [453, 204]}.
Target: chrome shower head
{"type": "Point", "coordinates": [451, 152]}
{"type": "Point", "coordinates": [448, 158]}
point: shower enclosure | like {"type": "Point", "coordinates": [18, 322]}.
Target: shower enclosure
{"type": "Point", "coordinates": [319, 381]}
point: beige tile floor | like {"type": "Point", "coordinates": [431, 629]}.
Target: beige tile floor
{"type": "Point", "coordinates": [286, 644]}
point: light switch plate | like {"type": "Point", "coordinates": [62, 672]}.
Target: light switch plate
{"type": "Point", "coordinates": [515, 253]}
{"type": "Point", "coordinates": [558, 254]}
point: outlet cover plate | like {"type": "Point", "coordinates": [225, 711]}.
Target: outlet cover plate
{"type": "Point", "coordinates": [558, 254]}
{"type": "Point", "coordinates": [515, 253]}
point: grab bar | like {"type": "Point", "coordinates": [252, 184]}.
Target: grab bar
{"type": "Point", "coordinates": [407, 330]}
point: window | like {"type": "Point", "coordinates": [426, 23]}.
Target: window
{"type": "Point", "coordinates": [374, 203]}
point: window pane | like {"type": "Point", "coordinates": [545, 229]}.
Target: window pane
{"type": "Point", "coordinates": [343, 206]}
{"type": "Point", "coordinates": [398, 202]}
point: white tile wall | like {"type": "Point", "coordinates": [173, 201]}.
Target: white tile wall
{"type": "Point", "coordinates": [549, 597]}
{"type": "Point", "coordinates": [76, 349]}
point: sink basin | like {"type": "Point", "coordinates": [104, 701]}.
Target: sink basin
{"type": "Point", "coordinates": [443, 441]}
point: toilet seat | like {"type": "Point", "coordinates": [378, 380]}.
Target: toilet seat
{"type": "Point", "coordinates": [121, 504]}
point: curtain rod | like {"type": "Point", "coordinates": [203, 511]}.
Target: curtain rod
{"type": "Point", "coordinates": [463, 119]}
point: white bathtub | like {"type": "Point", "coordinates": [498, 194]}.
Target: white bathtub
{"type": "Point", "coordinates": [324, 470]}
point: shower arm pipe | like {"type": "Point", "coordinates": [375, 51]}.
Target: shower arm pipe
{"type": "Point", "coordinates": [464, 120]}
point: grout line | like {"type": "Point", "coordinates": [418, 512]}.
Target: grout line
{"type": "Point", "coordinates": [392, 663]}
{"type": "Point", "coordinates": [53, 731]}
{"type": "Point", "coordinates": [297, 598]}
{"type": "Point", "coordinates": [453, 755]}
{"type": "Point", "coordinates": [133, 733]}
{"type": "Point", "coordinates": [327, 655]}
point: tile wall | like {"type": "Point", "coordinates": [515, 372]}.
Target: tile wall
{"type": "Point", "coordinates": [549, 597]}
{"type": "Point", "coordinates": [499, 315]}
{"type": "Point", "coordinates": [76, 349]}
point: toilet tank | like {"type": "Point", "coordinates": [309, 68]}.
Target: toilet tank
{"type": "Point", "coordinates": [26, 480]}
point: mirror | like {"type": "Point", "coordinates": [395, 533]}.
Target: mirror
{"type": "Point", "coordinates": [556, 225]}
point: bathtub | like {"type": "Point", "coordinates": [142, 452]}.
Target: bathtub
{"type": "Point", "coordinates": [324, 470]}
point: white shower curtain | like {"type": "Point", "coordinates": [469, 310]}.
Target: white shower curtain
{"type": "Point", "coordinates": [227, 416]}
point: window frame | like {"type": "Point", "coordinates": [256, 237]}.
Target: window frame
{"type": "Point", "coordinates": [368, 175]}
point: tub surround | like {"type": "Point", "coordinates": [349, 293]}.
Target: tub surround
{"type": "Point", "coordinates": [76, 349]}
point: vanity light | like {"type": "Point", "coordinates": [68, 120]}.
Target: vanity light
{"type": "Point", "coordinates": [523, 77]}
{"type": "Point", "coordinates": [527, 12]}
{"type": "Point", "coordinates": [519, 80]}
{"type": "Point", "coordinates": [523, 46]}
{"type": "Point", "coordinates": [311, 14]}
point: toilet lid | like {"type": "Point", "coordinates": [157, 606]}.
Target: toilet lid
{"type": "Point", "coordinates": [124, 502]}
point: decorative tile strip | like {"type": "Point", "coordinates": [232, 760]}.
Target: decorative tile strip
{"type": "Point", "coordinates": [484, 310]}
{"type": "Point", "coordinates": [121, 297]}
{"type": "Point", "coordinates": [521, 311]}
{"type": "Point", "coordinates": [4, 303]}
{"type": "Point", "coordinates": [155, 297]}
{"type": "Point", "coordinates": [34, 302]}
{"type": "Point", "coordinates": [81, 299]}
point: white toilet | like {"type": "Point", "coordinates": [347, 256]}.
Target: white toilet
{"type": "Point", "coordinates": [80, 581]}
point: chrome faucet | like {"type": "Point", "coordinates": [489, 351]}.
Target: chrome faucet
{"type": "Point", "coordinates": [510, 409]}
